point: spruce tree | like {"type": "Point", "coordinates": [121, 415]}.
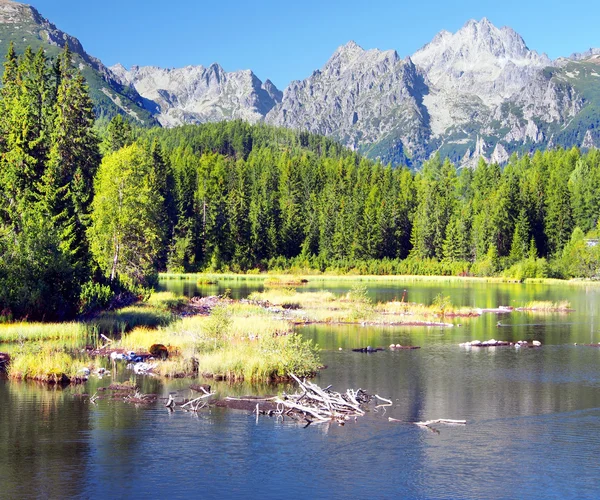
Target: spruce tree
{"type": "Point", "coordinates": [73, 160]}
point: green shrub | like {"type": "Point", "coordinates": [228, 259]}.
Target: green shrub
{"type": "Point", "coordinates": [94, 296]}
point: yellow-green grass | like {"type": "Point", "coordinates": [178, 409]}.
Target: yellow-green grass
{"type": "Point", "coordinates": [547, 306]}
{"type": "Point", "coordinates": [166, 301]}
{"type": "Point", "coordinates": [48, 365]}
{"type": "Point", "coordinates": [239, 341]}
{"type": "Point", "coordinates": [355, 306]}
{"type": "Point", "coordinates": [123, 320]}
{"type": "Point", "coordinates": [263, 360]}
{"type": "Point", "coordinates": [289, 297]}
{"type": "Point", "coordinates": [287, 281]}
{"type": "Point", "coordinates": [421, 310]}
{"type": "Point", "coordinates": [554, 281]}
{"type": "Point", "coordinates": [36, 332]}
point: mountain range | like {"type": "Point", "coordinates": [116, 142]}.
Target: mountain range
{"type": "Point", "coordinates": [479, 92]}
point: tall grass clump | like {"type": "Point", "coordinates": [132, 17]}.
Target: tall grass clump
{"type": "Point", "coordinates": [46, 365]}
{"type": "Point", "coordinates": [269, 359]}
{"type": "Point", "coordinates": [547, 305]}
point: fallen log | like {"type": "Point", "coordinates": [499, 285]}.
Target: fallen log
{"type": "Point", "coordinates": [429, 423]}
{"type": "Point", "coordinates": [368, 349]}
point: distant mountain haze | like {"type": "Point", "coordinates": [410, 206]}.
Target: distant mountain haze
{"type": "Point", "coordinates": [477, 93]}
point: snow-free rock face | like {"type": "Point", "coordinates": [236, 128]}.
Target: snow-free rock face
{"type": "Point", "coordinates": [479, 59]}
{"type": "Point", "coordinates": [477, 93]}
{"type": "Point", "coordinates": [359, 97]}
{"type": "Point", "coordinates": [196, 94]}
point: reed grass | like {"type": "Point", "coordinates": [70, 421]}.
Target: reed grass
{"type": "Point", "coordinates": [547, 306]}
{"type": "Point", "coordinates": [48, 365]}
{"type": "Point", "coordinates": [269, 359]}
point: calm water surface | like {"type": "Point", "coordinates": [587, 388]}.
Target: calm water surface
{"type": "Point", "coordinates": [533, 418]}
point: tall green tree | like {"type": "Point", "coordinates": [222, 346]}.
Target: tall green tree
{"type": "Point", "coordinates": [125, 234]}
{"type": "Point", "coordinates": [72, 164]}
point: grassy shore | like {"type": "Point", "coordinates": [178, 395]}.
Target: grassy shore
{"type": "Point", "coordinates": [274, 278]}
{"type": "Point", "coordinates": [356, 307]}
{"type": "Point", "coordinates": [236, 341]}
{"type": "Point", "coordinates": [252, 340]}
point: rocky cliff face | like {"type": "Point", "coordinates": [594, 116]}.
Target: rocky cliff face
{"type": "Point", "coordinates": [359, 97]}
{"type": "Point", "coordinates": [479, 92]}
{"type": "Point", "coordinates": [195, 94]}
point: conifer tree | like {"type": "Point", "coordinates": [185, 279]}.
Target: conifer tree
{"type": "Point", "coordinates": [73, 160]}
{"type": "Point", "coordinates": [118, 134]}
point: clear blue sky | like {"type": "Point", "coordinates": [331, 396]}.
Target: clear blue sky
{"type": "Point", "coordinates": [287, 40]}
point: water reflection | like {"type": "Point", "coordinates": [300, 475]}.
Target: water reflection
{"type": "Point", "coordinates": [533, 418]}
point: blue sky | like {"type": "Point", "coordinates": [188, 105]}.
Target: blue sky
{"type": "Point", "coordinates": [287, 40]}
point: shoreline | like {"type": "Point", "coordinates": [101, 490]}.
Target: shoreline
{"type": "Point", "coordinates": [312, 278]}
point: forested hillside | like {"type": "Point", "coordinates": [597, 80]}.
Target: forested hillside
{"type": "Point", "coordinates": [83, 217]}
{"type": "Point", "coordinates": [259, 197]}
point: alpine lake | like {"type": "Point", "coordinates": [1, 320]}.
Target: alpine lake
{"type": "Point", "coordinates": [532, 431]}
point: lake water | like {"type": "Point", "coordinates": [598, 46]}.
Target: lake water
{"type": "Point", "coordinates": [533, 417]}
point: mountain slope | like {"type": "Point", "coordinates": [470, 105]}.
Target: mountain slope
{"type": "Point", "coordinates": [479, 92]}
{"type": "Point", "coordinates": [361, 98]}
{"type": "Point", "coordinates": [25, 26]}
{"type": "Point", "coordinates": [195, 94]}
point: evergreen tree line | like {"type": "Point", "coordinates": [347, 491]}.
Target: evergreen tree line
{"type": "Point", "coordinates": [243, 197]}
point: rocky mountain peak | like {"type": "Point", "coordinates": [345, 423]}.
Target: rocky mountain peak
{"type": "Point", "coordinates": [195, 94]}
{"type": "Point", "coordinates": [476, 43]}
{"type": "Point", "coordinates": [489, 63]}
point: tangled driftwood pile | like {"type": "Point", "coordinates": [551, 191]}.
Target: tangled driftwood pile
{"type": "Point", "coordinates": [312, 404]}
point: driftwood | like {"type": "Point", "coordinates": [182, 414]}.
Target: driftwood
{"type": "Point", "coordinates": [193, 405]}
{"type": "Point", "coordinates": [316, 405]}
{"type": "Point", "coordinates": [429, 423]}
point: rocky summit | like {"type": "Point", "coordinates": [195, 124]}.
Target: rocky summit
{"type": "Point", "coordinates": [195, 94]}
{"type": "Point", "coordinates": [477, 93]}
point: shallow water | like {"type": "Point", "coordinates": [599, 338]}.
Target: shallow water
{"type": "Point", "coordinates": [533, 418]}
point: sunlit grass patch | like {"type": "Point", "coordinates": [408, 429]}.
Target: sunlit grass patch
{"type": "Point", "coordinates": [48, 365]}
{"type": "Point", "coordinates": [547, 306]}
{"type": "Point", "coordinates": [287, 281]}
{"type": "Point", "coordinates": [291, 298]}
{"type": "Point", "coordinates": [267, 359]}
{"type": "Point", "coordinates": [123, 320]}
{"type": "Point", "coordinates": [35, 332]}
